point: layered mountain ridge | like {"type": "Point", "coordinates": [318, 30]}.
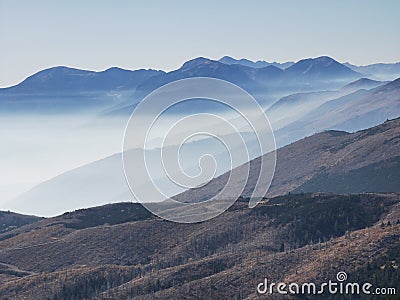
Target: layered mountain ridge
{"type": "Point", "coordinates": [372, 155]}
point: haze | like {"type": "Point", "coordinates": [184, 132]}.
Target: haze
{"type": "Point", "coordinates": [157, 34]}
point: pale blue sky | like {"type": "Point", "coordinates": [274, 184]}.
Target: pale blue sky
{"type": "Point", "coordinates": [163, 34]}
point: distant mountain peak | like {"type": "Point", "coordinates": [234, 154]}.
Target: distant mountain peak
{"type": "Point", "coordinates": [324, 58]}
{"type": "Point", "coordinates": [322, 65]}
{"type": "Point", "coordinates": [197, 61]}
{"type": "Point", "coordinates": [116, 69]}
{"type": "Point", "coordinates": [321, 60]}
{"type": "Point", "coordinates": [362, 83]}
{"type": "Point", "coordinates": [61, 70]}
{"type": "Point", "coordinates": [364, 80]}
{"type": "Point", "coordinates": [227, 60]}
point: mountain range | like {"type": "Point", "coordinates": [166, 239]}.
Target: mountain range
{"type": "Point", "coordinates": [64, 89]}
{"type": "Point", "coordinates": [115, 90]}
{"type": "Point", "coordinates": [65, 79]}
{"type": "Point", "coordinates": [300, 99]}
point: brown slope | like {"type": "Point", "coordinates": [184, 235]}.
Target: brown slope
{"type": "Point", "coordinates": [315, 263]}
{"type": "Point", "coordinates": [330, 152]}
{"type": "Point", "coordinates": [222, 258]}
{"type": "Point", "coordinates": [10, 220]}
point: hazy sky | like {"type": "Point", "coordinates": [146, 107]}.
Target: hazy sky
{"type": "Point", "coordinates": [163, 34]}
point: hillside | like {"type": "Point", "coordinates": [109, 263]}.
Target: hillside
{"type": "Point", "coordinates": [294, 237]}
{"type": "Point", "coordinates": [10, 220]}
{"type": "Point", "coordinates": [290, 108]}
{"type": "Point", "coordinates": [358, 110]}
{"type": "Point", "coordinates": [311, 162]}
{"type": "Point", "coordinates": [305, 110]}
{"type": "Point", "coordinates": [362, 83]}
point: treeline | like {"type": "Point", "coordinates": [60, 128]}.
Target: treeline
{"type": "Point", "coordinates": [85, 287]}
{"type": "Point", "coordinates": [112, 214]}
{"type": "Point", "coordinates": [319, 218]}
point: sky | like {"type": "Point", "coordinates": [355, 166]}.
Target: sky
{"type": "Point", "coordinates": [96, 35]}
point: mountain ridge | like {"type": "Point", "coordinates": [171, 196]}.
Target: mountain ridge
{"type": "Point", "coordinates": [255, 64]}
{"type": "Point", "coordinates": [394, 68]}
{"type": "Point", "coordinates": [62, 78]}
{"type": "Point", "coordinates": [360, 109]}
{"type": "Point", "coordinates": [329, 152]}
{"type": "Point", "coordinates": [363, 83]}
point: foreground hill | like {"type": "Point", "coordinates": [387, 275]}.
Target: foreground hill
{"type": "Point", "coordinates": [120, 252]}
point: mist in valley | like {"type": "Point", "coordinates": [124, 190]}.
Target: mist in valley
{"type": "Point", "coordinates": [62, 148]}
